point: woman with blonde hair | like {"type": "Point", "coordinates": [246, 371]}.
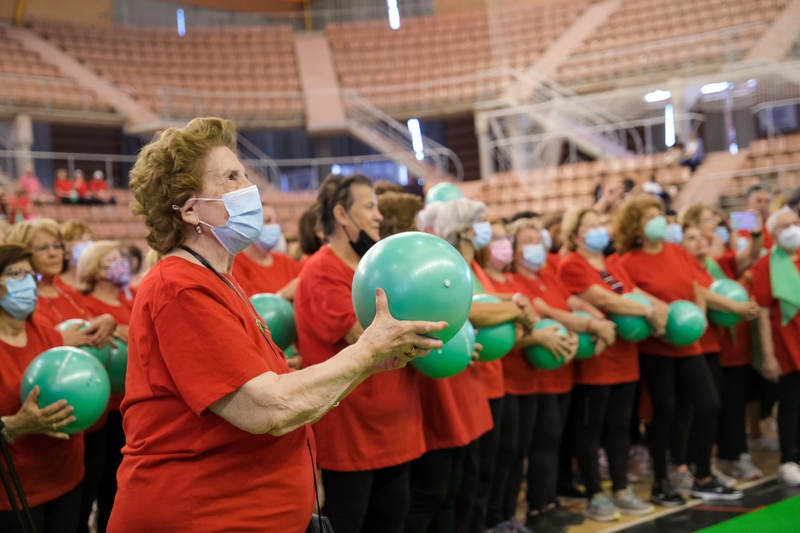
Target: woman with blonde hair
{"type": "Point", "coordinates": [77, 237]}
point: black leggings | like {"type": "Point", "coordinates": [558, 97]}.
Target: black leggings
{"type": "Point", "coordinates": [107, 490]}
{"type": "Point", "coordinates": [602, 417]}
{"type": "Point", "coordinates": [367, 501]}
{"type": "Point", "coordinates": [543, 457]}
{"type": "Point", "coordinates": [94, 457]}
{"type": "Point", "coordinates": [734, 394]}
{"type": "Point", "coordinates": [435, 478]}
{"type": "Point", "coordinates": [508, 467]}
{"type": "Point", "coordinates": [789, 416]}
{"type": "Point", "coordinates": [56, 516]}
{"type": "Point", "coordinates": [667, 379]}
{"type": "Point", "coordinates": [472, 498]}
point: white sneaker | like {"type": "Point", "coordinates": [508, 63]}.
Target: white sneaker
{"type": "Point", "coordinates": [789, 474]}
{"type": "Point", "coordinates": [744, 469]}
{"type": "Point", "coordinates": [682, 480]}
{"type": "Point", "coordinates": [764, 444]}
{"type": "Point", "coordinates": [724, 480]}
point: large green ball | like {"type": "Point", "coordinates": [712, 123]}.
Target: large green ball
{"type": "Point", "coordinates": [586, 345]}
{"type": "Point", "coordinates": [496, 340]}
{"type": "Point", "coordinates": [102, 354]}
{"type": "Point", "coordinates": [633, 328]}
{"type": "Point", "coordinates": [424, 277]}
{"type": "Point", "coordinates": [278, 314]}
{"type": "Point", "coordinates": [70, 374]}
{"type": "Point", "coordinates": [442, 192]}
{"type": "Point", "coordinates": [685, 323]}
{"type": "Point", "coordinates": [539, 356]}
{"type": "Point", "coordinates": [732, 290]}
{"type": "Point", "coordinates": [118, 367]}
{"type": "Point", "coordinates": [451, 358]}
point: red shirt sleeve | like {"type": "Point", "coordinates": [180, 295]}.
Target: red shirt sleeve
{"type": "Point", "coordinates": [762, 286]}
{"type": "Point", "coordinates": [574, 275]}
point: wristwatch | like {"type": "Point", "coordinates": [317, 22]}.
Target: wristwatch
{"type": "Point", "coordinates": [756, 234]}
{"type": "Point", "coordinates": [4, 431]}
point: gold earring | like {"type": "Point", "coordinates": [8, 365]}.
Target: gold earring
{"type": "Point", "coordinates": [198, 229]}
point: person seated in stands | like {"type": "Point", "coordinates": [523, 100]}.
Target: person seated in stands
{"type": "Point", "coordinates": [672, 157]}
{"type": "Point", "coordinates": [29, 183]}
{"type": "Point", "coordinates": [19, 207]}
{"type": "Point", "coordinates": [63, 188]}
{"type": "Point", "coordinates": [80, 186]}
{"type": "Point", "coordinates": [98, 189]}
{"type": "Point", "coordinates": [693, 152]}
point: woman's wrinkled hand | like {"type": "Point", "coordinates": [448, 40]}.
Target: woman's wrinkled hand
{"type": "Point", "coordinates": [30, 420]}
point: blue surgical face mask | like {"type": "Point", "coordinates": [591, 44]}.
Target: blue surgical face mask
{"type": "Point", "coordinates": [674, 234]}
{"type": "Point", "coordinates": [723, 233]}
{"type": "Point", "coordinates": [77, 250]}
{"type": "Point", "coordinates": [656, 229]}
{"type": "Point", "coordinates": [547, 240]}
{"type": "Point", "coordinates": [534, 256]}
{"type": "Point", "coordinates": [483, 235]}
{"type": "Point", "coordinates": [270, 237]}
{"type": "Point", "coordinates": [282, 247]}
{"type": "Point", "coordinates": [597, 239]}
{"type": "Point", "coordinates": [20, 300]}
{"type": "Point", "coordinates": [245, 219]}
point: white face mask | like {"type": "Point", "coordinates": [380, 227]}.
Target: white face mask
{"type": "Point", "coordinates": [789, 239]}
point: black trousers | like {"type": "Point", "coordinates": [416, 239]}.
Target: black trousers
{"type": "Point", "coordinates": [508, 467]}
{"type": "Point", "coordinates": [107, 489]}
{"type": "Point", "coordinates": [472, 498]}
{"type": "Point", "coordinates": [667, 379]}
{"type": "Point", "coordinates": [94, 457]}
{"type": "Point", "coordinates": [789, 416]}
{"type": "Point", "coordinates": [435, 479]}
{"type": "Point", "coordinates": [372, 501]}
{"type": "Point", "coordinates": [57, 516]}
{"type": "Point", "coordinates": [602, 418]}
{"type": "Point", "coordinates": [734, 395]}
{"type": "Point", "coordinates": [543, 457]}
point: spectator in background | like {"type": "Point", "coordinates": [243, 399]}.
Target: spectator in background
{"type": "Point", "coordinates": [599, 186]}
{"type": "Point", "coordinates": [693, 152]}
{"type": "Point", "coordinates": [382, 186]}
{"type": "Point", "coordinates": [310, 233]}
{"type": "Point", "coordinates": [135, 256]}
{"type": "Point", "coordinates": [399, 210]}
{"type": "Point", "coordinates": [32, 186]}
{"type": "Point", "coordinates": [63, 188]}
{"type": "Point", "coordinates": [80, 186]}
{"type": "Point", "coordinates": [551, 229]}
{"type": "Point", "coordinates": [19, 207]}
{"type": "Point", "coordinates": [757, 200]}
{"type": "Point", "coordinates": [98, 189]}
{"type": "Point", "coordinates": [77, 237]}
{"type": "Point", "coordinates": [793, 200]}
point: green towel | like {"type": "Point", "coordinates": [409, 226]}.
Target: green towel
{"type": "Point", "coordinates": [785, 280]}
{"type": "Point", "coordinates": [713, 268]}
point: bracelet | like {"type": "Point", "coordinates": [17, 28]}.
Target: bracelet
{"type": "Point", "coordinates": [4, 431]}
{"type": "Point", "coordinates": [588, 325]}
{"type": "Point", "coordinates": [756, 235]}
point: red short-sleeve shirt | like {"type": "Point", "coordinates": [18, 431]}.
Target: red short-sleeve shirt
{"type": "Point", "coordinates": [668, 275]}
{"type": "Point", "coordinates": [193, 341]}
{"type": "Point", "coordinates": [380, 423]}
{"type": "Point", "coordinates": [47, 467]}
{"type": "Point", "coordinates": [256, 279]}
{"type": "Point", "coordinates": [63, 186]}
{"type": "Point", "coordinates": [736, 350]}
{"type": "Point", "coordinates": [491, 372]}
{"type": "Point", "coordinates": [619, 363]}
{"type": "Point", "coordinates": [786, 339]}
{"type": "Point", "coordinates": [68, 304]}
{"type": "Point", "coordinates": [98, 185]}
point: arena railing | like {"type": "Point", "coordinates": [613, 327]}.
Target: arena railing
{"type": "Point", "coordinates": [768, 115]}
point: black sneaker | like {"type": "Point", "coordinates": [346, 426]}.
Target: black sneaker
{"type": "Point", "coordinates": [545, 523]}
{"type": "Point", "coordinates": [664, 494]}
{"type": "Point", "coordinates": [567, 517]}
{"type": "Point", "coordinates": [714, 490]}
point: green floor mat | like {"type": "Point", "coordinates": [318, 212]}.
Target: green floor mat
{"type": "Point", "coordinates": [783, 517]}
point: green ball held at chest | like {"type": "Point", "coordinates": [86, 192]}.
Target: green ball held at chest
{"type": "Point", "coordinates": [685, 323]}
{"type": "Point", "coordinates": [442, 192]}
{"type": "Point", "coordinates": [70, 374]}
{"type": "Point", "coordinates": [586, 345]}
{"type": "Point", "coordinates": [118, 367]}
{"type": "Point", "coordinates": [633, 328]}
{"type": "Point", "coordinates": [102, 354]}
{"type": "Point", "coordinates": [451, 358]}
{"type": "Point", "coordinates": [496, 340]}
{"type": "Point", "coordinates": [424, 278]}
{"type": "Point", "coordinates": [541, 357]}
{"type": "Point", "coordinates": [732, 290]}
{"type": "Point", "coordinates": [278, 314]}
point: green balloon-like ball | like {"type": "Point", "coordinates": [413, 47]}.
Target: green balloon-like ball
{"type": "Point", "coordinates": [424, 277]}
{"type": "Point", "coordinates": [118, 367]}
{"type": "Point", "coordinates": [586, 345]}
{"type": "Point", "coordinates": [541, 357]}
{"type": "Point", "coordinates": [451, 358]}
{"type": "Point", "coordinates": [70, 374]}
{"type": "Point", "coordinates": [442, 192]}
{"type": "Point", "coordinates": [103, 354]}
{"type": "Point", "coordinates": [278, 314]}
{"type": "Point", "coordinates": [732, 290]}
{"type": "Point", "coordinates": [496, 340]}
{"type": "Point", "coordinates": [633, 328]}
{"type": "Point", "coordinates": [685, 323]}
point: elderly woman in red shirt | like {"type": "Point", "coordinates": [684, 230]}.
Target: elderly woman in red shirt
{"type": "Point", "coordinates": [217, 427]}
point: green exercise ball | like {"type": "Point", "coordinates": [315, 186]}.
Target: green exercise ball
{"type": "Point", "coordinates": [541, 357]}
{"type": "Point", "coordinates": [118, 366]}
{"type": "Point", "coordinates": [103, 354]}
{"type": "Point", "coordinates": [70, 374]}
{"type": "Point", "coordinates": [451, 358]}
{"type": "Point", "coordinates": [278, 314]}
{"type": "Point", "coordinates": [633, 328]}
{"type": "Point", "coordinates": [289, 352]}
{"type": "Point", "coordinates": [496, 340]}
{"type": "Point", "coordinates": [685, 323]}
{"type": "Point", "coordinates": [424, 277]}
{"type": "Point", "coordinates": [586, 345]}
{"type": "Point", "coordinates": [442, 192]}
{"type": "Point", "coordinates": [733, 290]}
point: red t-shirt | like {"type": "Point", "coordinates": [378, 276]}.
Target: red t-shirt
{"type": "Point", "coordinates": [736, 350]}
{"type": "Point", "coordinates": [380, 423]}
{"type": "Point", "coordinates": [547, 287]}
{"type": "Point", "coordinates": [47, 467]}
{"type": "Point", "coordinates": [63, 186]}
{"type": "Point", "coordinates": [768, 242]}
{"type": "Point", "coordinates": [668, 275]}
{"type": "Point", "coordinates": [785, 339]}
{"type": "Point", "coordinates": [69, 304]}
{"type": "Point", "coordinates": [491, 373]}
{"type": "Point", "coordinates": [98, 185]}
{"type": "Point", "coordinates": [256, 279]}
{"type": "Point", "coordinates": [619, 363]}
{"type": "Point", "coordinates": [82, 188]}
{"type": "Point", "coordinates": [192, 342]}
{"type": "Point", "coordinates": [709, 342]}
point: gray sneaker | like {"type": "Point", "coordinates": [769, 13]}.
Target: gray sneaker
{"type": "Point", "coordinates": [682, 480]}
{"type": "Point", "coordinates": [724, 480]}
{"type": "Point", "coordinates": [601, 509]}
{"type": "Point", "coordinates": [631, 505]}
{"type": "Point", "coordinates": [744, 469]}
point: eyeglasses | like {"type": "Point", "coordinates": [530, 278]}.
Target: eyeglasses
{"type": "Point", "coordinates": [18, 273]}
{"type": "Point", "coordinates": [56, 247]}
